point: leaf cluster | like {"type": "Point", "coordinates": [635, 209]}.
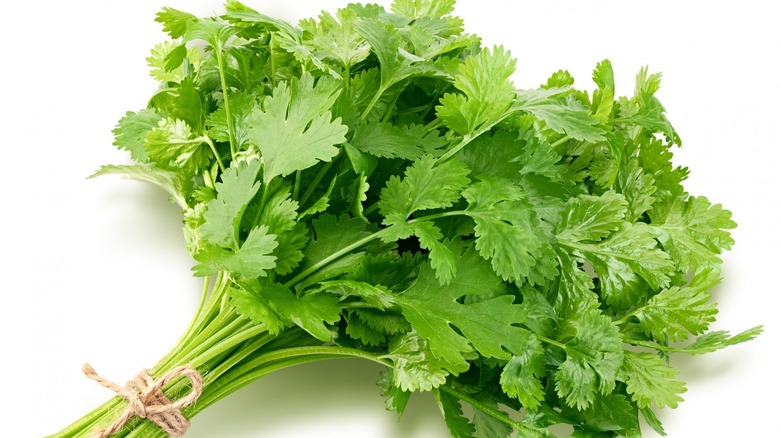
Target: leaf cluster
{"type": "Point", "coordinates": [374, 178]}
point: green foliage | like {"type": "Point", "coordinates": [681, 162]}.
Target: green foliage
{"type": "Point", "coordinates": [370, 183]}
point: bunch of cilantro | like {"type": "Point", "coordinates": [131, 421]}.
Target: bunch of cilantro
{"type": "Point", "coordinates": [371, 184]}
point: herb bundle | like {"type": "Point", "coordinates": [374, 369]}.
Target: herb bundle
{"type": "Point", "coordinates": [371, 184]}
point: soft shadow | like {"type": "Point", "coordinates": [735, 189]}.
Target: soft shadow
{"type": "Point", "coordinates": [341, 395]}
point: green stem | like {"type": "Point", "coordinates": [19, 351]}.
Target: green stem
{"type": "Point", "coordinates": [551, 342]}
{"type": "Point", "coordinates": [297, 185]}
{"type": "Point", "coordinates": [331, 258]}
{"type": "Point", "coordinates": [372, 103]}
{"type": "Point", "coordinates": [655, 346]}
{"type": "Point", "coordinates": [625, 318]}
{"type": "Point", "coordinates": [316, 181]}
{"type": "Point", "coordinates": [228, 343]}
{"type": "Point", "coordinates": [468, 138]}
{"type": "Point", "coordinates": [228, 116]}
{"type": "Point", "coordinates": [560, 141]}
{"type": "Point", "coordinates": [438, 216]}
{"type": "Point", "coordinates": [214, 151]}
{"type": "Point", "coordinates": [488, 410]}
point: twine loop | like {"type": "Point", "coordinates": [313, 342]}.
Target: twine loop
{"type": "Point", "coordinates": [146, 399]}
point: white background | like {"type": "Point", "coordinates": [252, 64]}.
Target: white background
{"type": "Point", "coordinates": [95, 270]}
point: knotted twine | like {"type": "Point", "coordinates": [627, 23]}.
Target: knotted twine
{"type": "Point", "coordinates": [147, 400]}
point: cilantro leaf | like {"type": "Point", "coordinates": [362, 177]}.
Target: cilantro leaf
{"type": "Point", "coordinates": [252, 259]}
{"type": "Point", "coordinates": [242, 104]}
{"type": "Point", "coordinates": [389, 141]}
{"type": "Point", "coordinates": [397, 398]}
{"type": "Point", "coordinates": [131, 131]}
{"type": "Point", "coordinates": [564, 115]}
{"type": "Point", "coordinates": [457, 423]}
{"type": "Point", "coordinates": [591, 218]}
{"type": "Point", "coordinates": [294, 130]}
{"type": "Point", "coordinates": [312, 313]}
{"type": "Point", "coordinates": [508, 155]}
{"type": "Point", "coordinates": [714, 341]}
{"type": "Point", "coordinates": [174, 21]}
{"type": "Point", "coordinates": [164, 61]}
{"type": "Point", "coordinates": [694, 232]}
{"type": "Point", "coordinates": [173, 145]}
{"type": "Point", "coordinates": [172, 182]}
{"type": "Point", "coordinates": [638, 188]}
{"type": "Point", "coordinates": [486, 426]}
{"type": "Point", "coordinates": [396, 63]}
{"type": "Point", "coordinates": [434, 312]}
{"type": "Point", "coordinates": [487, 92]}
{"type": "Point", "coordinates": [594, 356]}
{"type": "Point", "coordinates": [441, 257]}
{"type": "Point", "coordinates": [622, 259]}
{"type": "Point", "coordinates": [508, 232]}
{"type": "Point", "coordinates": [423, 8]}
{"type": "Point", "coordinates": [414, 367]}
{"type": "Point", "coordinates": [426, 185]}
{"type": "Point", "coordinates": [223, 215]}
{"type": "Point", "coordinates": [335, 39]}
{"type": "Point", "coordinates": [678, 312]}
{"type": "Point", "coordinates": [375, 295]}
{"type": "Point", "coordinates": [649, 380]}
{"type": "Point", "coordinates": [521, 376]}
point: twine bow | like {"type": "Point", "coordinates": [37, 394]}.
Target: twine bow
{"type": "Point", "coordinates": [147, 400]}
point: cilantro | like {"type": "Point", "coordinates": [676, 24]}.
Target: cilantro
{"type": "Point", "coordinates": [371, 184]}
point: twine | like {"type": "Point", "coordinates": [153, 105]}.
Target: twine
{"type": "Point", "coordinates": [147, 400]}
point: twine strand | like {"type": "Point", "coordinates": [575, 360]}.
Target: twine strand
{"type": "Point", "coordinates": [146, 399]}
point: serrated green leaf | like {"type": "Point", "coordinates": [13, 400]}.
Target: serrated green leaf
{"type": "Point", "coordinates": [423, 8]}
{"type": "Point", "coordinates": [242, 104]}
{"type": "Point", "coordinates": [311, 312]}
{"type": "Point", "coordinates": [390, 141]}
{"type": "Point", "coordinates": [165, 61]}
{"type": "Point", "coordinates": [487, 426]}
{"type": "Point", "coordinates": [174, 21]}
{"type": "Point", "coordinates": [434, 312]}
{"type": "Point", "coordinates": [564, 115]}
{"type": "Point", "coordinates": [294, 129]}
{"type": "Point", "coordinates": [717, 340]}
{"type": "Point", "coordinates": [592, 218]}
{"type": "Point", "coordinates": [509, 154]}
{"type": "Point", "coordinates": [649, 380]}
{"type": "Point", "coordinates": [396, 63]}
{"type": "Point", "coordinates": [248, 303]}
{"type": "Point", "coordinates": [458, 425]}
{"type": "Point", "coordinates": [415, 368]}
{"type": "Point", "coordinates": [254, 258]}
{"type": "Point", "coordinates": [426, 185]}
{"type": "Point", "coordinates": [638, 189]}
{"type": "Point", "coordinates": [332, 233]}
{"type": "Point", "coordinates": [441, 257]}
{"type": "Point", "coordinates": [593, 357]}
{"type": "Point", "coordinates": [608, 416]}
{"type": "Point", "coordinates": [629, 254]}
{"type": "Point", "coordinates": [174, 183]}
{"type": "Point", "coordinates": [508, 232]}
{"type": "Point", "coordinates": [131, 131]}
{"type": "Point", "coordinates": [487, 92]}
{"type": "Point", "coordinates": [335, 39]}
{"type": "Point", "coordinates": [397, 398]}
{"type": "Point", "coordinates": [173, 145]}
{"type": "Point", "coordinates": [678, 312]}
{"type": "Point", "coordinates": [358, 330]}
{"type": "Point", "coordinates": [223, 215]}
{"type": "Point", "coordinates": [521, 376]}
{"type": "Point", "coordinates": [375, 295]}
{"type": "Point", "coordinates": [694, 232]}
